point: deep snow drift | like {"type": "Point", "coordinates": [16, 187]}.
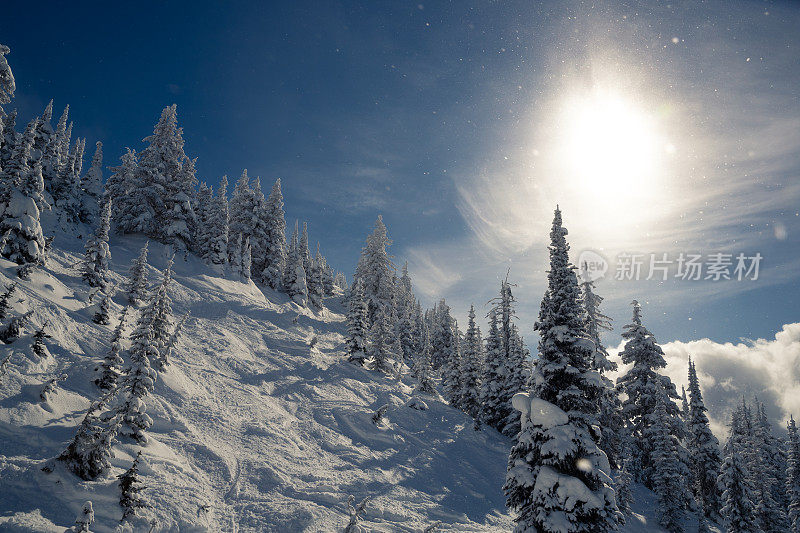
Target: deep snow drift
{"type": "Point", "coordinates": [260, 424]}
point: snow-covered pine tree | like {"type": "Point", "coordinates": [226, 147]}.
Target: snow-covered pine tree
{"type": "Point", "coordinates": [340, 282]}
{"type": "Point", "coordinates": [406, 319]}
{"type": "Point", "coordinates": [643, 386]}
{"type": "Point", "coordinates": [622, 485]}
{"type": "Point", "coordinates": [357, 327]}
{"type": "Point", "coordinates": [769, 476]}
{"type": "Point", "coordinates": [376, 270]}
{"type": "Point", "coordinates": [218, 227]}
{"type": "Point", "coordinates": [793, 476]}
{"type": "Point", "coordinates": [23, 240]}
{"type": "Point", "coordinates": [44, 134]}
{"type": "Point", "coordinates": [38, 346]}
{"type": "Point", "coordinates": [9, 139]}
{"type": "Point", "coordinates": [423, 370]}
{"type": "Point", "coordinates": [110, 368]}
{"type": "Point", "coordinates": [304, 250]}
{"type": "Point", "coordinates": [668, 471]}
{"type": "Point", "coordinates": [558, 479]}
{"type": "Point", "coordinates": [383, 347]}
{"type": "Point", "coordinates": [13, 330]}
{"type": "Point", "coordinates": [147, 340]}
{"type": "Point", "coordinates": [737, 495]}
{"type": "Point", "coordinates": [33, 187]}
{"type": "Point", "coordinates": [242, 209]}
{"type": "Point", "coordinates": [275, 251]}
{"type": "Point", "coordinates": [609, 403]}
{"type": "Point", "coordinates": [103, 313]}
{"type": "Point", "coordinates": [204, 214]}
{"type": "Point", "coordinates": [7, 84]}
{"type": "Point", "coordinates": [92, 187]}
{"type": "Point", "coordinates": [494, 405]}
{"type": "Point", "coordinates": [316, 289]}
{"type": "Point", "coordinates": [66, 189]}
{"type": "Point", "coordinates": [327, 276]}
{"type": "Point", "coordinates": [136, 285]}
{"type": "Point", "coordinates": [160, 311]}
{"type": "Point", "coordinates": [247, 258]}
{"type": "Point", "coordinates": [445, 354]}
{"type": "Point", "coordinates": [119, 188]}
{"type": "Point", "coordinates": [89, 452]}
{"type": "Point", "coordinates": [259, 231]}
{"type": "Point", "coordinates": [97, 256]}
{"type": "Point", "coordinates": [235, 255]}
{"type": "Point", "coordinates": [130, 486]}
{"type": "Point", "coordinates": [5, 300]}
{"type": "Point", "coordinates": [159, 178]}
{"type": "Point", "coordinates": [356, 512]}
{"type": "Point", "coordinates": [59, 140]}
{"type": "Point", "coordinates": [703, 448]}
{"type": "Point", "coordinates": [471, 368]}
{"type": "Point", "coordinates": [294, 277]}
{"type": "Point", "coordinates": [84, 520]}
{"type": "Point", "coordinates": [178, 220]}
{"type": "Point", "coordinates": [517, 378]}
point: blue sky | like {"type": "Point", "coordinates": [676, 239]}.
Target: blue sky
{"type": "Point", "coordinates": [452, 119]}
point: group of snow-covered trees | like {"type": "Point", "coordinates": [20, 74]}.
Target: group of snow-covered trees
{"type": "Point", "coordinates": [155, 192]}
{"type": "Point", "coordinates": [580, 440]}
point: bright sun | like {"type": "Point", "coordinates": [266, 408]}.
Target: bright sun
{"type": "Point", "coordinates": [609, 151]}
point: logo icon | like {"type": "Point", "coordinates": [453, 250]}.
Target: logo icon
{"type": "Point", "coordinates": [592, 266]}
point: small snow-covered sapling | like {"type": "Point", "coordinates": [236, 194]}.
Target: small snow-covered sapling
{"type": "Point", "coordinates": [24, 271]}
{"type": "Point", "coordinates": [50, 387]}
{"type": "Point", "coordinates": [130, 486]}
{"type": "Point", "coordinates": [85, 519]}
{"type": "Point", "coordinates": [14, 328]}
{"type": "Point", "coordinates": [356, 512]}
{"type": "Point", "coordinates": [377, 416]}
{"type": "Point", "coordinates": [5, 300]}
{"type": "Point", "coordinates": [38, 346]}
{"type": "Point", "coordinates": [103, 314]}
{"type": "Point", "coordinates": [433, 527]}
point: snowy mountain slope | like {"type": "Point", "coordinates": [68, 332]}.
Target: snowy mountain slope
{"type": "Point", "coordinates": [259, 422]}
{"type": "Point", "coordinates": [251, 420]}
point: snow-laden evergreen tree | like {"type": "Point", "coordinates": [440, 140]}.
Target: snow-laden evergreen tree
{"type": "Point", "coordinates": [275, 246]}
{"type": "Point", "coordinates": [247, 258]}
{"type": "Point", "coordinates": [7, 84]}
{"type": "Point", "coordinates": [357, 327]}
{"type": "Point", "coordinates": [316, 289]}
{"type": "Point", "coordinates": [356, 512]}
{"type": "Point", "coordinates": [38, 346]}
{"type": "Point", "coordinates": [703, 448]}
{"type": "Point", "coordinates": [60, 144]}
{"type": "Point", "coordinates": [160, 315]}
{"type": "Point", "coordinates": [130, 486]}
{"type": "Point", "coordinates": [89, 452]}
{"type": "Point", "coordinates": [684, 405]}
{"type": "Point", "coordinates": [204, 214]}
{"type": "Point", "coordinates": [119, 187]}
{"type": "Point", "coordinates": [644, 388]}
{"type": "Point", "coordinates": [136, 285]}
{"type": "Point", "coordinates": [517, 379]}
{"type": "Point", "coordinates": [9, 139]}
{"type": "Point", "coordinates": [110, 368]}
{"type": "Point", "coordinates": [147, 340]}
{"type": "Point", "coordinates": [294, 277]}
{"type": "Point", "coordinates": [84, 520]}
{"type": "Point", "coordinates": [103, 313]}
{"type": "Point", "coordinates": [406, 317]}
{"type": "Point", "coordinates": [155, 204]}
{"type": "Point", "coordinates": [92, 187]}
{"type": "Point", "coordinates": [5, 300]}
{"type": "Point", "coordinates": [445, 354]}
{"type": "Point", "coordinates": [494, 403]}
{"type": "Point", "coordinates": [97, 256]}
{"type": "Point", "coordinates": [66, 189]}
{"type": "Point", "coordinates": [242, 209]}
{"type": "Point", "coordinates": [259, 231]}
{"type": "Point", "coordinates": [376, 270]}
{"type": "Point", "coordinates": [558, 479]}
{"type": "Point", "coordinates": [769, 476]}
{"type": "Point", "coordinates": [622, 486]}
{"type": "Point", "coordinates": [423, 370]}
{"type": "Point", "coordinates": [609, 403]}
{"type": "Point", "coordinates": [33, 187]}
{"type": "Point", "coordinates": [235, 255]}
{"type": "Point", "coordinates": [471, 368]}
{"type": "Point", "coordinates": [669, 473]}
{"type": "Point", "coordinates": [218, 227]}
{"type": "Point", "coordinates": [327, 276]}
{"type": "Point", "coordinates": [737, 495]}
{"type": "Point", "coordinates": [23, 240]}
{"type": "Point", "coordinates": [13, 330]}
{"type": "Point", "coordinates": [340, 282]}
{"type": "Point", "coordinates": [304, 250]}
{"type": "Point", "coordinates": [383, 348]}
{"type": "Point", "coordinates": [179, 219]}
{"type": "Point", "coordinates": [793, 476]}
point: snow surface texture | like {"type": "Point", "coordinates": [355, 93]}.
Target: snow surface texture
{"type": "Point", "coordinates": [256, 427]}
